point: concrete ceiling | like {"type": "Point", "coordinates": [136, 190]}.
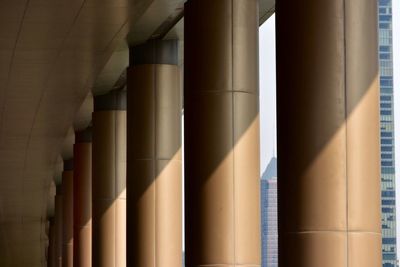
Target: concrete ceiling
{"type": "Point", "coordinates": [53, 53]}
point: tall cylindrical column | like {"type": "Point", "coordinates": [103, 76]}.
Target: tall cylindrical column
{"type": "Point", "coordinates": [109, 180]}
{"type": "Point", "coordinates": [154, 180]}
{"type": "Point", "coordinates": [222, 174]}
{"type": "Point", "coordinates": [51, 252]}
{"type": "Point", "coordinates": [83, 199]}
{"type": "Point", "coordinates": [58, 221]}
{"type": "Point", "coordinates": [328, 133]}
{"type": "Point", "coordinates": [68, 223]}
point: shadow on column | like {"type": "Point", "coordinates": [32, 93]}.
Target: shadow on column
{"type": "Point", "coordinates": [154, 183]}
{"type": "Point", "coordinates": [109, 180]}
{"type": "Point", "coordinates": [328, 133]}
{"type": "Point", "coordinates": [221, 103]}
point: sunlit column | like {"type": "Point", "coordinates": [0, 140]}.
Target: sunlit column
{"type": "Point", "coordinates": [58, 221]}
{"type": "Point", "coordinates": [109, 180]}
{"type": "Point", "coordinates": [222, 173]}
{"type": "Point", "coordinates": [68, 223]}
{"type": "Point", "coordinates": [328, 133]}
{"type": "Point", "coordinates": [83, 199]}
{"type": "Point", "coordinates": [154, 180]}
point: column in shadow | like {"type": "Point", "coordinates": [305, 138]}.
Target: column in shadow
{"type": "Point", "coordinates": [154, 179]}
{"type": "Point", "coordinates": [222, 192]}
{"type": "Point", "coordinates": [68, 213]}
{"type": "Point", "coordinates": [328, 133]}
{"type": "Point", "coordinates": [109, 180]}
{"type": "Point", "coordinates": [83, 198]}
{"type": "Point", "coordinates": [51, 249]}
{"type": "Point", "coordinates": [58, 221]}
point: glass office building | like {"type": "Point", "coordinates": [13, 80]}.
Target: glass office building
{"type": "Point", "coordinates": [269, 215]}
{"type": "Point", "coordinates": [387, 135]}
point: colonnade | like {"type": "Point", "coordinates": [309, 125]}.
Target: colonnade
{"type": "Point", "coordinates": [121, 201]}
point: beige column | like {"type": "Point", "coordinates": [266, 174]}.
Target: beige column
{"type": "Point", "coordinates": [222, 173]}
{"type": "Point", "coordinates": [109, 180]}
{"type": "Point", "coordinates": [83, 199]}
{"type": "Point", "coordinates": [68, 223]}
{"type": "Point", "coordinates": [154, 180]}
{"type": "Point", "coordinates": [328, 133]}
{"type": "Point", "coordinates": [58, 221]}
{"type": "Point", "coordinates": [51, 255]}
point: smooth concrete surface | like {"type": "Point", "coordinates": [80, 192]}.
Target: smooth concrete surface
{"type": "Point", "coordinates": [154, 178]}
{"type": "Point", "coordinates": [51, 251]}
{"type": "Point", "coordinates": [83, 199]}
{"type": "Point", "coordinates": [58, 221]}
{"type": "Point", "coordinates": [109, 188]}
{"type": "Point", "coordinates": [68, 223]}
{"type": "Point", "coordinates": [222, 191]}
{"type": "Point", "coordinates": [328, 134]}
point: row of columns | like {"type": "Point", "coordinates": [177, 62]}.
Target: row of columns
{"type": "Point", "coordinates": [127, 180]}
{"type": "Point", "coordinates": [94, 184]}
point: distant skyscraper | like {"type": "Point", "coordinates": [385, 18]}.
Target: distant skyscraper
{"type": "Point", "coordinates": [387, 135]}
{"type": "Point", "coordinates": [269, 215]}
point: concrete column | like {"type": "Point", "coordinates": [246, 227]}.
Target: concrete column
{"type": "Point", "coordinates": [51, 252]}
{"type": "Point", "coordinates": [328, 133]}
{"type": "Point", "coordinates": [58, 221]}
{"type": "Point", "coordinates": [83, 199]}
{"type": "Point", "coordinates": [109, 180]}
{"type": "Point", "coordinates": [222, 173]}
{"type": "Point", "coordinates": [154, 180]}
{"type": "Point", "coordinates": [68, 223]}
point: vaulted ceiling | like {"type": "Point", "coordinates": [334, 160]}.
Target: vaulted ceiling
{"type": "Point", "coordinates": [54, 54]}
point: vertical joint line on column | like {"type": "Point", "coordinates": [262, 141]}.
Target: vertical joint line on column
{"type": "Point", "coordinates": [346, 136]}
{"type": "Point", "coordinates": [115, 201]}
{"type": "Point", "coordinates": [154, 68]}
{"type": "Point", "coordinates": [233, 128]}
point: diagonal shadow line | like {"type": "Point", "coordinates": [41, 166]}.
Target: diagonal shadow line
{"type": "Point", "coordinates": [154, 171]}
{"type": "Point", "coordinates": [305, 159]}
{"type": "Point", "coordinates": [328, 120]}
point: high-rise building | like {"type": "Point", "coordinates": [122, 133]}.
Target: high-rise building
{"type": "Point", "coordinates": [387, 135]}
{"type": "Point", "coordinates": [269, 215]}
